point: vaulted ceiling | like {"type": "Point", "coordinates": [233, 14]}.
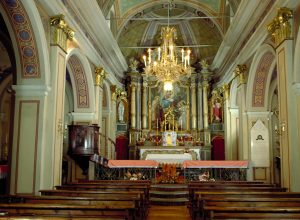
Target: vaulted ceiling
{"type": "Point", "coordinates": [200, 24]}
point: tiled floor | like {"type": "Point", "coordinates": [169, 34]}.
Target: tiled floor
{"type": "Point", "coordinates": [168, 212]}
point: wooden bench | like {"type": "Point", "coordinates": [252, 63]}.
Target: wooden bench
{"type": "Point", "coordinates": [216, 212]}
{"type": "Point", "coordinates": [118, 209]}
{"type": "Point", "coordinates": [205, 186]}
{"type": "Point", "coordinates": [143, 205]}
{"type": "Point", "coordinates": [194, 205]}
{"type": "Point", "coordinates": [196, 208]}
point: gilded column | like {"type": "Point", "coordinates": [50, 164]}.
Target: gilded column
{"type": "Point", "coordinates": [205, 77]}
{"type": "Point", "coordinates": [205, 104]}
{"type": "Point", "coordinates": [200, 107]}
{"type": "Point", "coordinates": [280, 30]}
{"type": "Point", "coordinates": [194, 103]}
{"type": "Point", "coordinates": [133, 106]}
{"type": "Point", "coordinates": [144, 104]}
{"type": "Point", "coordinates": [60, 34]}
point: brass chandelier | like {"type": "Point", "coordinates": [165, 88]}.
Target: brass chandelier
{"type": "Point", "coordinates": [168, 63]}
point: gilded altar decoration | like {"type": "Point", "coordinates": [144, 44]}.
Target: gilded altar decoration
{"type": "Point", "coordinates": [280, 27]}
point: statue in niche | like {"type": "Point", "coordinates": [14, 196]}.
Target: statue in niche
{"type": "Point", "coordinates": [217, 112]}
{"type": "Point", "coordinates": [121, 109]}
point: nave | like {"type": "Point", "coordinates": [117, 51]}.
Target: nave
{"type": "Point", "coordinates": [131, 200]}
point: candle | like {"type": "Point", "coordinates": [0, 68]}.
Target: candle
{"type": "Point", "coordinates": [188, 52]}
{"type": "Point", "coordinates": [144, 58]}
{"type": "Point", "coordinates": [159, 54]}
{"type": "Point", "coordinates": [182, 55]}
{"type": "Point", "coordinates": [171, 52]}
{"type": "Point", "coordinates": [149, 54]}
{"type": "Point", "coordinates": [181, 124]}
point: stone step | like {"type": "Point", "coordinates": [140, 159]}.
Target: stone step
{"type": "Point", "coordinates": [169, 194]}
{"type": "Point", "coordinates": [169, 187]}
{"type": "Point", "coordinates": [169, 201]}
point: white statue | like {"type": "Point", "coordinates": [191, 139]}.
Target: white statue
{"type": "Point", "coordinates": [121, 109]}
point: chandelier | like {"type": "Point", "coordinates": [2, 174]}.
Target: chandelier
{"type": "Point", "coordinates": [168, 63]}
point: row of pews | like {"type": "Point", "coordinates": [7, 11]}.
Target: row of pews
{"type": "Point", "coordinates": [99, 199]}
{"type": "Point", "coordinates": [241, 200]}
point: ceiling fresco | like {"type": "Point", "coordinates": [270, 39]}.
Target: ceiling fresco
{"type": "Point", "coordinates": [200, 24]}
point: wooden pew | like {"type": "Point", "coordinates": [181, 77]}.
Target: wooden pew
{"type": "Point", "coordinates": [204, 197]}
{"type": "Point", "coordinates": [194, 206]}
{"type": "Point", "coordinates": [199, 186]}
{"type": "Point", "coordinates": [118, 209]}
{"type": "Point", "coordinates": [143, 205]}
{"type": "Point", "coordinates": [115, 181]}
{"type": "Point", "coordinates": [76, 200]}
{"type": "Point", "coordinates": [216, 212]}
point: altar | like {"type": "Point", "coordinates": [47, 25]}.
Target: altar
{"type": "Point", "coordinates": [173, 154]}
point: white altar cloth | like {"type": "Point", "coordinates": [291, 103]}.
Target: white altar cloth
{"type": "Point", "coordinates": [169, 158]}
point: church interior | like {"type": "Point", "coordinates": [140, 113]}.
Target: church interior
{"type": "Point", "coordinates": [153, 96]}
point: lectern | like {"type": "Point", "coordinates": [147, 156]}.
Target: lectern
{"type": "Point", "coordinates": [83, 143]}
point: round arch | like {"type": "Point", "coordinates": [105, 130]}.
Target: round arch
{"type": "Point", "coordinates": [260, 74]}
{"type": "Point", "coordinates": [29, 41]}
{"type": "Point", "coordinates": [82, 81]}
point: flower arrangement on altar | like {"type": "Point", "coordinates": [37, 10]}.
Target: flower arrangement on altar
{"type": "Point", "coordinates": [169, 174]}
{"type": "Point", "coordinates": [133, 176]}
{"type": "Point", "coordinates": [205, 177]}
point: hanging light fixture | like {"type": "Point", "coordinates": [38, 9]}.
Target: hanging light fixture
{"type": "Point", "coordinates": [168, 63]}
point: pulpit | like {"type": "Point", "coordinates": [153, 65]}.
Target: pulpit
{"type": "Point", "coordinates": [83, 143]}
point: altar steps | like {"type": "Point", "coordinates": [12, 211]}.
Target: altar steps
{"type": "Point", "coordinates": [169, 194]}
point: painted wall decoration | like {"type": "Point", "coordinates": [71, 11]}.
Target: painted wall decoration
{"type": "Point", "coordinates": [260, 79]}
{"type": "Point", "coordinates": [80, 82]}
{"type": "Point", "coordinates": [22, 28]}
{"type": "Point", "coordinates": [162, 100]}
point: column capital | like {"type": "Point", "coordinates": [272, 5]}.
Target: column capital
{"type": "Point", "coordinates": [280, 27]}
{"type": "Point", "coordinates": [113, 90]}
{"type": "Point", "coordinates": [60, 31]}
{"type": "Point", "coordinates": [205, 84]}
{"type": "Point", "coordinates": [240, 71]}
{"type": "Point", "coordinates": [225, 90]}
{"type": "Point", "coordinates": [100, 75]}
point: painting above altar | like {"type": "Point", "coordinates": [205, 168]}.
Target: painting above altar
{"type": "Point", "coordinates": [162, 101]}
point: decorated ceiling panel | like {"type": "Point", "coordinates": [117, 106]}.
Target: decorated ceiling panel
{"type": "Point", "coordinates": [200, 24]}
